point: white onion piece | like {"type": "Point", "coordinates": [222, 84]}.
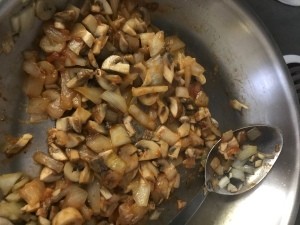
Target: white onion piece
{"type": "Point", "coordinates": [238, 174]}
{"type": "Point", "coordinates": [141, 193]}
{"type": "Point", "coordinates": [115, 100]}
{"type": "Point", "coordinates": [7, 181]}
{"type": "Point", "coordinates": [223, 182]}
{"type": "Point", "coordinates": [246, 152]}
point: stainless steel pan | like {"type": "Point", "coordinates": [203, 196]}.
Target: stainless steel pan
{"type": "Point", "coordinates": [242, 62]}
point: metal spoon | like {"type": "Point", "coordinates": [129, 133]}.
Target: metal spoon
{"type": "Point", "coordinates": [269, 143]}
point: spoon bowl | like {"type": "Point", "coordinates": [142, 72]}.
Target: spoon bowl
{"type": "Point", "coordinates": [269, 143]}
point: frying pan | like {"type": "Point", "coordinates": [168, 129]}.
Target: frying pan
{"type": "Point", "coordinates": [242, 62]}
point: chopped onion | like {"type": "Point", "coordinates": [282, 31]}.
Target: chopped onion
{"type": "Point", "coordinates": [223, 182]}
{"type": "Point", "coordinates": [7, 181]}
{"type": "Point", "coordinates": [115, 100]}
{"type": "Point", "coordinates": [246, 152]}
{"type": "Point", "coordinates": [141, 193]}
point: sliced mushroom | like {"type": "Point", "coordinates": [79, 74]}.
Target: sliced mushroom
{"type": "Point", "coordinates": [56, 153]}
{"type": "Point", "coordinates": [70, 172]}
{"type": "Point", "coordinates": [127, 123]}
{"type": "Point", "coordinates": [150, 150]}
{"type": "Point", "coordinates": [48, 175]}
{"type": "Point", "coordinates": [80, 78]}
{"type": "Point", "coordinates": [114, 63]}
{"type": "Point", "coordinates": [15, 146]}
{"type": "Point", "coordinates": [68, 216]}
{"type": "Point", "coordinates": [93, 128]}
{"type": "Point", "coordinates": [43, 159]}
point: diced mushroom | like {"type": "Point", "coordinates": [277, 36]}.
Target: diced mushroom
{"type": "Point", "coordinates": [114, 63]}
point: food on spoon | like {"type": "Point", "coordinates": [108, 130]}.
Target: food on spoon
{"type": "Point", "coordinates": [129, 108]}
{"type": "Point", "coordinates": [237, 161]}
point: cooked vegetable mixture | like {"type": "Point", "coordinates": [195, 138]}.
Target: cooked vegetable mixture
{"type": "Point", "coordinates": [129, 108]}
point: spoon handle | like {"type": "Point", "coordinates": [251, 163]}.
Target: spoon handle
{"type": "Point", "coordinates": [184, 216]}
